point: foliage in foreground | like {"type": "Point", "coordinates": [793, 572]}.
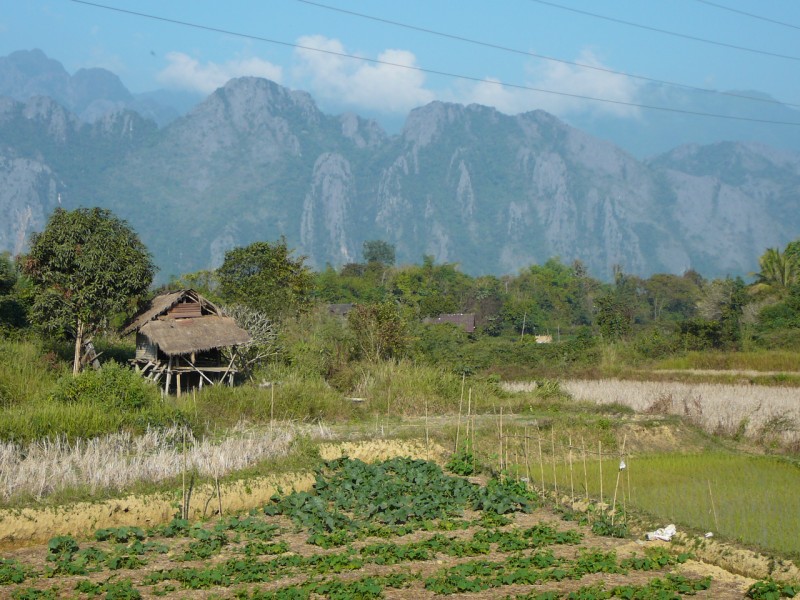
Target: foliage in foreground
{"type": "Point", "coordinates": [247, 555]}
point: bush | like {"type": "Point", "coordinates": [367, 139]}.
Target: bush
{"type": "Point", "coordinates": [113, 386]}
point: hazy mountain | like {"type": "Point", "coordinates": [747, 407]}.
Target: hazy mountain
{"type": "Point", "coordinates": [653, 132]}
{"type": "Point", "coordinates": [465, 184]}
{"type": "Point", "coordinates": [89, 93]}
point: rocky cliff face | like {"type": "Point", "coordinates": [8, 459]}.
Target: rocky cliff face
{"type": "Point", "coordinates": [465, 184]}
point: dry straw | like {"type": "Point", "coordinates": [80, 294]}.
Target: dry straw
{"type": "Point", "coordinates": [116, 461]}
{"type": "Point", "coordinates": [752, 410]}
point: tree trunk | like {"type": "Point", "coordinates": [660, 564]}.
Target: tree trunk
{"type": "Point", "coordinates": [76, 364]}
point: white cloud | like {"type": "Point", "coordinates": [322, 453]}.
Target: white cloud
{"type": "Point", "coordinates": [569, 81]}
{"type": "Point", "coordinates": [373, 86]}
{"type": "Point", "coordinates": [185, 72]}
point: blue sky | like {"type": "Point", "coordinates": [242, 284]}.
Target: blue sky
{"type": "Point", "coordinates": [148, 54]}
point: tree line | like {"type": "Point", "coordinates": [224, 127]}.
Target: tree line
{"type": "Point", "coordinates": [87, 271]}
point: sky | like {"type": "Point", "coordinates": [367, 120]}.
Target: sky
{"type": "Point", "coordinates": [391, 57]}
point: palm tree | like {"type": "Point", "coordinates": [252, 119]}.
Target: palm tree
{"type": "Point", "coordinates": [779, 272]}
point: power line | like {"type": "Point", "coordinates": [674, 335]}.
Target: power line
{"type": "Point", "coordinates": [747, 14]}
{"type": "Point", "coordinates": [431, 71]}
{"type": "Point", "coordinates": [542, 56]}
{"type": "Point", "coordinates": [666, 32]}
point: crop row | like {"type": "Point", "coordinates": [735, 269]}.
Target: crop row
{"type": "Point", "coordinates": [350, 501]}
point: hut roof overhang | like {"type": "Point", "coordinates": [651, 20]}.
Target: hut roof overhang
{"type": "Point", "coordinates": [183, 336]}
{"type": "Point", "coordinates": [160, 306]}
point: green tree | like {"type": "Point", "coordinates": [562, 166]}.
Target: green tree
{"type": "Point", "coordinates": [85, 266]}
{"type": "Point", "coordinates": [378, 251]}
{"type": "Point", "coordinates": [268, 278]}
{"type": "Point", "coordinates": [12, 309]}
{"type": "Point", "coordinates": [8, 273]}
{"type": "Point", "coordinates": [671, 297]}
{"type": "Point", "coordinates": [379, 330]}
{"type": "Point", "coordinates": [779, 271]}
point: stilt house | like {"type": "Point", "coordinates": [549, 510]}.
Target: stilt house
{"type": "Point", "coordinates": [185, 341]}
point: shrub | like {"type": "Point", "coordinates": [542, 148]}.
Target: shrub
{"type": "Point", "coordinates": [113, 387]}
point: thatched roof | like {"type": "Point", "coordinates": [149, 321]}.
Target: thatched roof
{"type": "Point", "coordinates": [160, 305]}
{"type": "Point", "coordinates": [184, 336]}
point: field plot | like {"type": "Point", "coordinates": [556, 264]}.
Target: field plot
{"type": "Point", "coordinates": [740, 497]}
{"type": "Point", "coordinates": [401, 528]}
{"type": "Point", "coordinates": [766, 413]}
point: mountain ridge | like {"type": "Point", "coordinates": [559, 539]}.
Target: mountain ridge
{"type": "Point", "coordinates": [463, 184]}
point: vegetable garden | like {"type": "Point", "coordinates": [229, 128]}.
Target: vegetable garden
{"type": "Point", "coordinates": [401, 528]}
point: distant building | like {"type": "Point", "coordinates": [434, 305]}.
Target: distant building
{"type": "Point", "coordinates": [464, 320]}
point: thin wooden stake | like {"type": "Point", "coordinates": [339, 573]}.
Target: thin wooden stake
{"type": "Point", "coordinates": [571, 477]}
{"type": "Point", "coordinates": [501, 441]}
{"type": "Point", "coordinates": [600, 458]}
{"type": "Point", "coordinates": [553, 444]}
{"type": "Point", "coordinates": [713, 508]}
{"type": "Point", "coordinates": [219, 494]}
{"type": "Point", "coordinates": [527, 459]}
{"type": "Point", "coordinates": [427, 439]}
{"type": "Point", "coordinates": [616, 485]}
{"type": "Point", "coordinates": [458, 422]}
{"type": "Point", "coordinates": [474, 449]}
{"type": "Point", "coordinates": [466, 421]}
{"type": "Point", "coordinates": [272, 406]}
{"type": "Point", "coordinates": [183, 478]}
{"type": "Point", "coordinates": [585, 472]}
{"type": "Point", "coordinates": [541, 458]}
{"type": "Point", "coordinates": [628, 476]}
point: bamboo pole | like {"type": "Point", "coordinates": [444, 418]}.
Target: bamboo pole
{"type": "Point", "coordinates": [467, 423]}
{"type": "Point", "coordinates": [553, 445]}
{"type": "Point", "coordinates": [713, 508]}
{"type": "Point", "coordinates": [585, 472]}
{"type": "Point", "coordinates": [472, 445]}
{"type": "Point", "coordinates": [460, 404]}
{"type": "Point", "coordinates": [527, 459]}
{"type": "Point", "coordinates": [628, 477]}
{"type": "Point", "coordinates": [616, 485]}
{"type": "Point", "coordinates": [501, 441]}
{"type": "Point", "coordinates": [458, 422]}
{"type": "Point", "coordinates": [571, 477]}
{"type": "Point", "coordinates": [600, 460]}
{"type": "Point", "coordinates": [272, 406]}
{"type": "Point", "coordinates": [183, 478]}
{"type": "Point", "coordinates": [219, 494]}
{"type": "Point", "coordinates": [427, 439]}
{"type": "Point", "coordinates": [541, 458]}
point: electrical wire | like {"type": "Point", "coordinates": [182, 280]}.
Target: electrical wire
{"type": "Point", "coordinates": [543, 56]}
{"type": "Point", "coordinates": [431, 71]}
{"type": "Point", "coordinates": [665, 31]}
{"type": "Point", "coordinates": [747, 14]}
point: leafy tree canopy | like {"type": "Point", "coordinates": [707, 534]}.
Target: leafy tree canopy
{"type": "Point", "coordinates": [8, 273]}
{"type": "Point", "coordinates": [266, 277]}
{"type": "Point", "coordinates": [85, 266]}
{"type": "Point", "coordinates": [378, 251]}
{"type": "Point", "coordinates": [779, 271]}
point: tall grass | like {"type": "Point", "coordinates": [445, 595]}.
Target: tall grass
{"type": "Point", "coordinates": [409, 389]}
{"type": "Point", "coordinates": [769, 414]}
{"type": "Point", "coordinates": [116, 461]}
{"type": "Point", "coordinates": [26, 371]}
{"type": "Point", "coordinates": [286, 395]}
